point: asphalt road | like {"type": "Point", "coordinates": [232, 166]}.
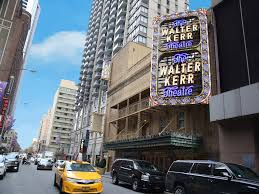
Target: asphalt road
{"type": "Point", "coordinates": [31, 181]}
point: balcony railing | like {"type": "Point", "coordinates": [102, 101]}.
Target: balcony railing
{"type": "Point", "coordinates": [133, 141]}
{"type": "Point", "coordinates": [135, 107]}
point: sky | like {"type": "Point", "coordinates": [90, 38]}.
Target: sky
{"type": "Point", "coordinates": [55, 54]}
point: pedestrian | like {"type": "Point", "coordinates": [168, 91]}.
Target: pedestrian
{"type": "Point", "coordinates": [23, 160]}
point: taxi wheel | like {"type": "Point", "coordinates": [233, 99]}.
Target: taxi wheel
{"type": "Point", "coordinates": [55, 181]}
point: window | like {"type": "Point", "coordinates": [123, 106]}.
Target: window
{"type": "Point", "coordinates": [219, 170]}
{"type": "Point", "coordinates": [144, 9]}
{"type": "Point", "coordinates": [202, 168]}
{"type": "Point", "coordinates": [143, 29]}
{"type": "Point", "coordinates": [181, 167]}
{"type": "Point", "coordinates": [1, 3]}
{"type": "Point", "coordinates": [141, 39]}
{"type": "Point", "coordinates": [167, 2]}
{"type": "Point", "coordinates": [127, 164]}
{"type": "Point", "coordinates": [167, 10]}
{"type": "Point", "coordinates": [158, 6]}
{"type": "Point", "coordinates": [181, 119]}
{"type": "Point", "coordinates": [143, 19]}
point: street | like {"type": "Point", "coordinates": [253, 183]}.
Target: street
{"type": "Point", "coordinates": [31, 181]}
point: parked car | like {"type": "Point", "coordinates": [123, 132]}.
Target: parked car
{"type": "Point", "coordinates": [140, 174]}
{"type": "Point", "coordinates": [12, 162]}
{"type": "Point", "coordinates": [79, 177]}
{"type": "Point", "coordinates": [203, 177]}
{"type": "Point", "coordinates": [45, 164]}
{"type": "Point", "coordinates": [2, 167]}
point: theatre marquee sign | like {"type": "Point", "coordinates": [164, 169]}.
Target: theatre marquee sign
{"type": "Point", "coordinates": [180, 59]}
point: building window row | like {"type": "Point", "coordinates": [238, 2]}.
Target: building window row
{"type": "Point", "coordinates": [65, 104]}
{"type": "Point", "coordinates": [141, 39]}
{"type": "Point", "coordinates": [67, 90]}
{"type": "Point", "coordinates": [141, 18]}
{"type": "Point", "coordinates": [137, 13]}
{"type": "Point", "coordinates": [61, 129]}
{"type": "Point", "coordinates": [63, 124]}
{"type": "Point", "coordinates": [64, 119]}
{"type": "Point", "coordinates": [67, 95]}
{"type": "Point", "coordinates": [140, 28]}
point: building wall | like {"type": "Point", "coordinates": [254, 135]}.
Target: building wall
{"type": "Point", "coordinates": [234, 108]}
{"type": "Point", "coordinates": [109, 30]}
{"type": "Point", "coordinates": [131, 79]}
{"type": "Point", "coordinates": [62, 118]}
{"type": "Point", "coordinates": [238, 142]}
{"type": "Point", "coordinates": [44, 131]}
{"type": "Point", "coordinates": [15, 24]}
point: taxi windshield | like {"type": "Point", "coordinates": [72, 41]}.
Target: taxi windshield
{"type": "Point", "coordinates": [80, 167]}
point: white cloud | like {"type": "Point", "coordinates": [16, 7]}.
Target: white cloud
{"type": "Point", "coordinates": [66, 46]}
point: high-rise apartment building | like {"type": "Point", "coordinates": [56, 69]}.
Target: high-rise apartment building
{"type": "Point", "coordinates": [62, 118]}
{"type": "Point", "coordinates": [112, 24]}
{"type": "Point", "coordinates": [24, 4]}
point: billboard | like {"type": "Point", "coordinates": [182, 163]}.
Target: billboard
{"type": "Point", "coordinates": [180, 59]}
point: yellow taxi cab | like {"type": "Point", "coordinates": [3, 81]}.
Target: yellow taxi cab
{"type": "Point", "coordinates": [78, 177]}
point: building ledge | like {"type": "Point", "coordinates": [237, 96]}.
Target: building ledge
{"type": "Point", "coordinates": [173, 139]}
{"type": "Point", "coordinates": [236, 103]}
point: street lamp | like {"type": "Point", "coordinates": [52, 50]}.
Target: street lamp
{"type": "Point", "coordinates": [24, 69]}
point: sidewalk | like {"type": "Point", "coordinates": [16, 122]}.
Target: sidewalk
{"type": "Point", "coordinates": [107, 175]}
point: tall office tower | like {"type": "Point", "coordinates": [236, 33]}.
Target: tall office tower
{"type": "Point", "coordinates": [33, 7]}
{"type": "Point", "coordinates": [62, 118]}
{"type": "Point", "coordinates": [112, 24]}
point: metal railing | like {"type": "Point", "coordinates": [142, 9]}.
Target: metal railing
{"type": "Point", "coordinates": [134, 107]}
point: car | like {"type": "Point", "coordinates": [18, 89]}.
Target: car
{"type": "Point", "coordinates": [203, 177]}
{"type": "Point", "coordinates": [2, 167]}
{"type": "Point", "coordinates": [59, 163]}
{"type": "Point", "coordinates": [36, 161]}
{"type": "Point", "coordinates": [45, 164]}
{"type": "Point", "coordinates": [12, 162]}
{"type": "Point", "coordinates": [78, 177]}
{"type": "Point", "coordinates": [139, 173]}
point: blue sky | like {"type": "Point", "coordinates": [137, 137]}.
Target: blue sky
{"type": "Point", "coordinates": [56, 54]}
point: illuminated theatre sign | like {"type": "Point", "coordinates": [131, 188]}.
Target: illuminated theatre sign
{"type": "Point", "coordinates": [180, 59]}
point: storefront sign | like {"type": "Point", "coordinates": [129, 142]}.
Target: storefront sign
{"type": "Point", "coordinates": [3, 112]}
{"type": "Point", "coordinates": [2, 90]}
{"type": "Point", "coordinates": [180, 60]}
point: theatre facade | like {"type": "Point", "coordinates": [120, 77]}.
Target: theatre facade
{"type": "Point", "coordinates": [157, 107]}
